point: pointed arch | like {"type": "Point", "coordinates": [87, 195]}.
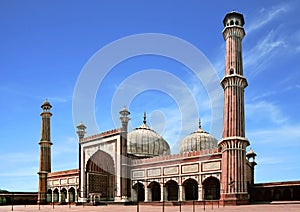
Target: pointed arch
{"type": "Point", "coordinates": [71, 192]}
{"type": "Point", "coordinates": [139, 189]}
{"type": "Point", "coordinates": [155, 191]}
{"type": "Point", "coordinates": [211, 187]}
{"type": "Point", "coordinates": [49, 195]}
{"type": "Point", "coordinates": [172, 190]}
{"type": "Point", "coordinates": [190, 189]}
{"type": "Point", "coordinates": [63, 195]}
{"type": "Point", "coordinates": [101, 161]}
{"type": "Point", "coordinates": [101, 175]}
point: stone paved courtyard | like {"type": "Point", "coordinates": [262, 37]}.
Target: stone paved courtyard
{"type": "Point", "coordinates": [149, 208]}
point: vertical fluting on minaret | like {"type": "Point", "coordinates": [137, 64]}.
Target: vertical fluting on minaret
{"type": "Point", "coordinates": [234, 143]}
{"type": "Point", "coordinates": [45, 152]}
{"type": "Point", "coordinates": [125, 180]}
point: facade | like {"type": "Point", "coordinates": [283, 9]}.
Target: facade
{"type": "Point", "coordinates": [122, 166]}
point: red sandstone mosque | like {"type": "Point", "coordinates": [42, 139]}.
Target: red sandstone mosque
{"type": "Point", "coordinates": [122, 166]}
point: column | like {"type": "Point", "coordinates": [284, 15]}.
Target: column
{"type": "Point", "coordinates": [200, 193]}
{"type": "Point", "coordinates": [180, 193]}
{"type": "Point", "coordinates": [162, 192]}
{"type": "Point", "coordinates": [146, 193]}
{"type": "Point", "coordinates": [67, 196]}
{"type": "Point", "coordinates": [52, 196]}
{"type": "Point", "coordinates": [59, 196]}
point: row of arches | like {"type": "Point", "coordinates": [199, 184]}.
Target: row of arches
{"type": "Point", "coordinates": [210, 190]}
{"type": "Point", "coordinates": [277, 194]}
{"type": "Point", "coordinates": [62, 195]}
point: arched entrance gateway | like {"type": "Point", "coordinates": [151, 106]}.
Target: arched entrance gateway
{"type": "Point", "coordinates": [154, 191]}
{"type": "Point", "coordinates": [190, 189]}
{"type": "Point", "coordinates": [100, 176]}
{"type": "Point", "coordinates": [211, 186]}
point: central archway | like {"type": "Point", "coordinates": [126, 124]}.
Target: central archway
{"type": "Point", "coordinates": [101, 176]}
{"type": "Point", "coordinates": [211, 187]}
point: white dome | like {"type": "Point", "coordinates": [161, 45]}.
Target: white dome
{"type": "Point", "coordinates": [198, 140]}
{"type": "Point", "coordinates": [145, 142]}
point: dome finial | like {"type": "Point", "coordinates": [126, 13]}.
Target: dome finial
{"type": "Point", "coordinates": [199, 123]}
{"type": "Point", "coordinates": [145, 118]}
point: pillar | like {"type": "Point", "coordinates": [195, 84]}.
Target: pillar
{"type": "Point", "coordinates": [162, 192]}
{"type": "Point", "coordinates": [59, 196]}
{"type": "Point", "coordinates": [68, 196]}
{"type": "Point", "coordinates": [52, 196]}
{"type": "Point", "coordinates": [146, 193]}
{"type": "Point", "coordinates": [200, 193]}
{"type": "Point", "coordinates": [180, 189]}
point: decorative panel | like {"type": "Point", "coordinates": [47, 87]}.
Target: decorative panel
{"type": "Point", "coordinates": [153, 172]}
{"type": "Point", "coordinates": [63, 181]}
{"type": "Point", "coordinates": [171, 170]}
{"type": "Point", "coordinates": [210, 166]}
{"type": "Point", "coordinates": [138, 174]}
{"type": "Point", "coordinates": [72, 180]}
{"type": "Point", "coordinates": [56, 182]}
{"type": "Point", "coordinates": [190, 168]}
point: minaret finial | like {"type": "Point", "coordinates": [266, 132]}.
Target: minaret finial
{"type": "Point", "coordinates": [145, 118]}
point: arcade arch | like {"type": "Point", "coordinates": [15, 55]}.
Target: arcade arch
{"type": "Point", "coordinates": [154, 191]}
{"type": "Point", "coordinates": [172, 190]}
{"type": "Point", "coordinates": [190, 189]}
{"type": "Point", "coordinates": [211, 186]}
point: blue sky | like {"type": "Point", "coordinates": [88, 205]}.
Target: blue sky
{"type": "Point", "coordinates": [46, 44]}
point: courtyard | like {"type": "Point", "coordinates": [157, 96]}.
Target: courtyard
{"type": "Point", "coordinates": [149, 208]}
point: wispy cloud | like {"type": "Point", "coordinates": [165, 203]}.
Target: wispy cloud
{"type": "Point", "coordinates": [56, 99]}
{"type": "Point", "coordinates": [265, 111]}
{"type": "Point", "coordinates": [265, 51]}
{"type": "Point", "coordinates": [286, 135]}
{"type": "Point", "coordinates": [66, 144]}
{"type": "Point", "coordinates": [265, 16]}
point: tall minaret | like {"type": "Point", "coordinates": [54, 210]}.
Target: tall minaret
{"type": "Point", "coordinates": [45, 152]}
{"type": "Point", "coordinates": [233, 144]}
{"type": "Point", "coordinates": [125, 181]}
{"type": "Point", "coordinates": [81, 131]}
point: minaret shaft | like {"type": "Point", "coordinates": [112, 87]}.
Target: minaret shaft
{"type": "Point", "coordinates": [233, 144]}
{"type": "Point", "coordinates": [45, 153]}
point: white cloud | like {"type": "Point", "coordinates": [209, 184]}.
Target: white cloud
{"type": "Point", "coordinates": [283, 135]}
{"type": "Point", "coordinates": [265, 51]}
{"type": "Point", "coordinates": [266, 16]}
{"type": "Point", "coordinates": [265, 111]}
{"type": "Point", "coordinates": [65, 145]}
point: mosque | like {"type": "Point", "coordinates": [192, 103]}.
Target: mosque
{"type": "Point", "coordinates": [122, 166]}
